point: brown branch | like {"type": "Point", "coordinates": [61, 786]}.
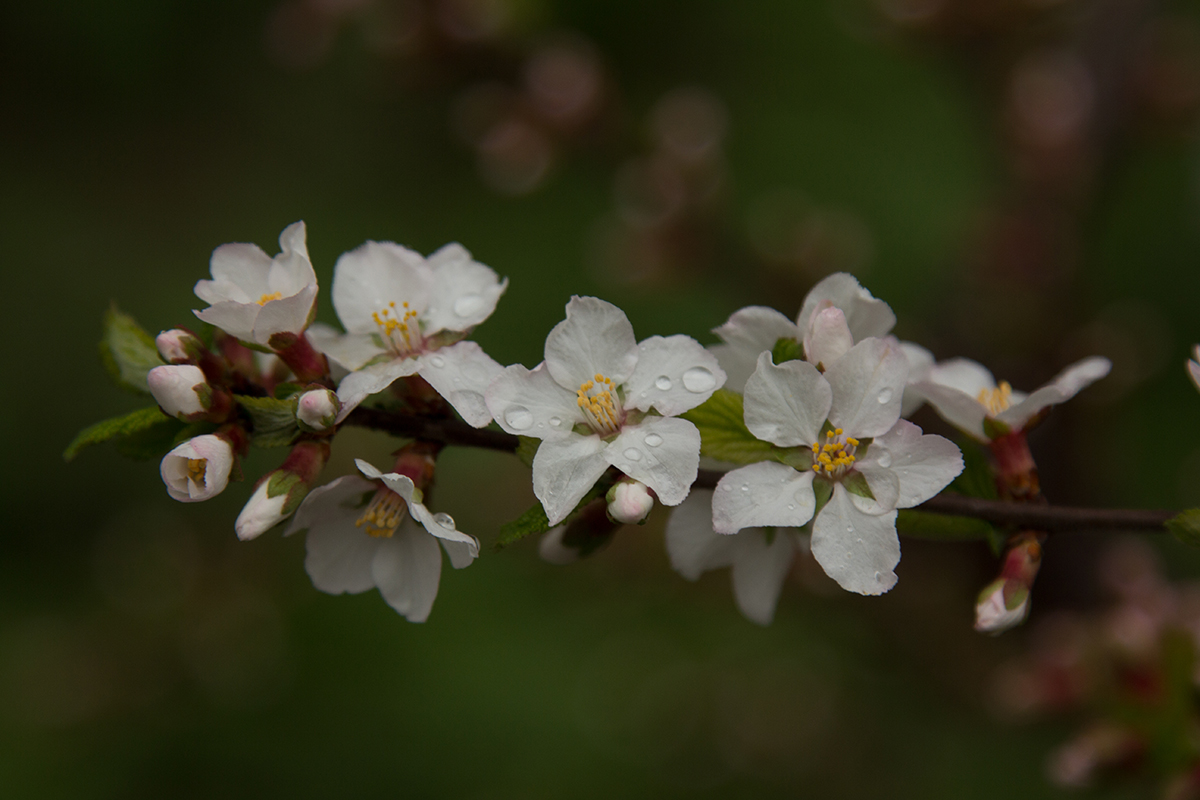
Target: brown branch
{"type": "Point", "coordinates": [1054, 519]}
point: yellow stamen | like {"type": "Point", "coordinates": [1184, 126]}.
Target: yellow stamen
{"type": "Point", "coordinates": [399, 328]}
{"type": "Point", "coordinates": [600, 408]}
{"type": "Point", "coordinates": [266, 298]}
{"type": "Point", "coordinates": [834, 458]}
{"type": "Point", "coordinates": [996, 400]}
{"type": "Point", "coordinates": [196, 470]}
{"type": "Point", "coordinates": [384, 513]}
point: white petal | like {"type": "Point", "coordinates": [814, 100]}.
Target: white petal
{"type": "Point", "coordinates": [673, 374]}
{"type": "Point", "coordinates": [765, 494]}
{"type": "Point", "coordinates": [440, 525]}
{"type": "Point", "coordinates": [865, 315]}
{"type": "Point", "coordinates": [595, 339]}
{"type": "Point", "coordinates": [371, 277]}
{"type": "Point", "coordinates": [1194, 372]}
{"type": "Point", "coordinates": [859, 551]}
{"type": "Point", "coordinates": [333, 502]}
{"type": "Point", "coordinates": [461, 554]}
{"type": "Point", "coordinates": [461, 374]}
{"type": "Point", "coordinates": [967, 376]}
{"type": "Point", "coordinates": [828, 337]}
{"type": "Point", "coordinates": [553, 551]}
{"type": "Point", "coordinates": [291, 270]}
{"type": "Point", "coordinates": [358, 386]}
{"type": "Point", "coordinates": [285, 315]}
{"type": "Point", "coordinates": [868, 385]}
{"type": "Point", "coordinates": [920, 361]}
{"type": "Point", "coordinates": [661, 452]}
{"type": "Point", "coordinates": [924, 464]}
{"type": "Point", "coordinates": [885, 488]}
{"type": "Point", "coordinates": [339, 554]}
{"type": "Point", "coordinates": [749, 332]}
{"type": "Point", "coordinates": [787, 403]}
{"type": "Point", "coordinates": [349, 350]}
{"type": "Point", "coordinates": [759, 570]}
{"type": "Point", "coordinates": [407, 569]}
{"type": "Point", "coordinates": [529, 403]}
{"type": "Point", "coordinates": [1068, 383]}
{"type": "Point", "coordinates": [239, 273]}
{"type": "Point", "coordinates": [464, 292]}
{"type": "Point", "coordinates": [692, 544]}
{"type": "Point", "coordinates": [961, 410]}
{"type": "Point", "coordinates": [563, 472]}
{"type": "Point", "coordinates": [236, 319]}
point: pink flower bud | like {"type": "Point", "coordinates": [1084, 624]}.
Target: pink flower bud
{"type": "Point", "coordinates": [181, 390]}
{"type": "Point", "coordinates": [317, 410]}
{"type": "Point", "coordinates": [993, 613]}
{"type": "Point", "coordinates": [828, 336]}
{"type": "Point", "coordinates": [262, 512]}
{"type": "Point", "coordinates": [177, 346]}
{"type": "Point", "coordinates": [629, 502]}
{"type": "Point", "coordinates": [280, 492]}
{"type": "Point", "coordinates": [197, 469]}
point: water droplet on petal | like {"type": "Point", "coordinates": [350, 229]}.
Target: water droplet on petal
{"type": "Point", "coordinates": [727, 488]}
{"type": "Point", "coordinates": [444, 520]}
{"type": "Point", "coordinates": [555, 421]}
{"type": "Point", "coordinates": [885, 396]}
{"type": "Point", "coordinates": [438, 361]}
{"type": "Point", "coordinates": [884, 459]}
{"type": "Point", "coordinates": [745, 488]}
{"type": "Point", "coordinates": [663, 383]}
{"type": "Point", "coordinates": [791, 506]}
{"type": "Point", "coordinates": [698, 379]}
{"type": "Point", "coordinates": [468, 304]}
{"type": "Point", "coordinates": [518, 418]}
{"type": "Point", "coordinates": [633, 454]}
{"type": "Point", "coordinates": [878, 577]}
{"type": "Point", "coordinates": [653, 440]}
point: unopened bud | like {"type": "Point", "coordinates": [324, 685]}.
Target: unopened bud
{"type": "Point", "coordinates": [317, 410]}
{"type": "Point", "coordinates": [177, 346]}
{"type": "Point", "coordinates": [629, 502]}
{"type": "Point", "coordinates": [181, 391]}
{"type": "Point", "coordinates": [279, 493]}
{"type": "Point", "coordinates": [197, 469]}
{"type": "Point", "coordinates": [828, 337]}
{"type": "Point", "coordinates": [1004, 603]}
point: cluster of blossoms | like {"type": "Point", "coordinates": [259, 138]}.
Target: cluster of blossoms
{"type": "Point", "coordinates": [821, 460]}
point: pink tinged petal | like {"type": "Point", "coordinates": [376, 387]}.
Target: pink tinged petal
{"type": "Point", "coordinates": [967, 376]}
{"type": "Point", "coordinates": [358, 386]}
{"type": "Point", "coordinates": [766, 494]}
{"type": "Point", "coordinates": [868, 386]}
{"type": "Point", "coordinates": [461, 554]}
{"type": "Point", "coordinates": [746, 334]}
{"type": "Point", "coordinates": [1068, 383]}
{"type": "Point", "coordinates": [692, 544]}
{"type": "Point", "coordinates": [595, 338]}
{"type": "Point", "coordinates": [240, 274]}
{"type": "Point", "coordinates": [563, 472]}
{"type": "Point", "coordinates": [464, 292]}
{"type": "Point", "coordinates": [529, 403]}
{"type": "Point", "coordinates": [350, 350]}
{"type": "Point", "coordinates": [759, 570]}
{"type": "Point", "coordinates": [674, 374]}
{"type": "Point", "coordinates": [924, 464]}
{"type": "Point", "coordinates": [865, 315]}
{"type": "Point", "coordinates": [661, 452]}
{"type": "Point", "coordinates": [285, 315]}
{"type": "Point", "coordinates": [859, 551]}
{"type": "Point", "coordinates": [236, 319]}
{"type": "Point", "coordinates": [1194, 372]}
{"type": "Point", "coordinates": [828, 337]}
{"type": "Point", "coordinates": [407, 568]}
{"type": "Point", "coordinates": [786, 404]}
{"type": "Point", "coordinates": [961, 410]}
{"type": "Point", "coordinates": [367, 279]}
{"type": "Point", "coordinates": [461, 374]}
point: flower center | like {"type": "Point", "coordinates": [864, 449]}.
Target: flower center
{"type": "Point", "coordinates": [266, 298]}
{"type": "Point", "coordinates": [401, 333]}
{"type": "Point", "coordinates": [834, 458]}
{"type": "Point", "coordinates": [384, 513]}
{"type": "Point", "coordinates": [597, 400]}
{"type": "Point", "coordinates": [996, 400]}
{"type": "Point", "coordinates": [196, 469]}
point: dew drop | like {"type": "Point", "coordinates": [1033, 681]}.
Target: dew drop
{"type": "Point", "coordinates": [885, 396]}
{"type": "Point", "coordinates": [518, 418]}
{"type": "Point", "coordinates": [653, 440]}
{"type": "Point", "coordinates": [879, 577]}
{"type": "Point", "coordinates": [438, 361]}
{"type": "Point", "coordinates": [745, 488]}
{"type": "Point", "coordinates": [555, 422]}
{"type": "Point", "coordinates": [633, 454]}
{"type": "Point", "coordinates": [885, 459]}
{"type": "Point", "coordinates": [791, 506]}
{"type": "Point", "coordinates": [444, 520]}
{"type": "Point", "coordinates": [468, 304]}
{"type": "Point", "coordinates": [727, 488]}
{"type": "Point", "coordinates": [663, 383]}
{"type": "Point", "coordinates": [698, 379]}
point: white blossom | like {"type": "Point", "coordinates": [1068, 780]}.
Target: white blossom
{"type": "Point", "coordinates": [602, 399]}
{"type": "Point", "coordinates": [253, 296]}
{"type": "Point", "coordinates": [181, 390]}
{"type": "Point", "coordinates": [197, 469]}
{"type": "Point", "coordinates": [406, 315]}
{"type": "Point", "coordinates": [317, 409]}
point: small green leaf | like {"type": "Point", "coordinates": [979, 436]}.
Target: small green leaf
{"type": "Point", "coordinates": [941, 527]}
{"type": "Point", "coordinates": [1186, 526]}
{"type": "Point", "coordinates": [787, 350]}
{"type": "Point", "coordinates": [127, 351]}
{"type": "Point", "coordinates": [274, 420]}
{"type": "Point", "coordinates": [723, 432]}
{"type": "Point", "coordinates": [527, 449]}
{"type": "Point", "coordinates": [285, 390]}
{"type": "Point", "coordinates": [149, 424]}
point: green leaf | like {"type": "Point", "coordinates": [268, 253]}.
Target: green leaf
{"type": "Point", "coordinates": [1186, 526]}
{"type": "Point", "coordinates": [527, 449]}
{"type": "Point", "coordinates": [941, 527]}
{"type": "Point", "coordinates": [535, 521]}
{"type": "Point", "coordinates": [285, 390]}
{"type": "Point", "coordinates": [723, 432]}
{"type": "Point", "coordinates": [127, 351]}
{"type": "Point", "coordinates": [787, 350]}
{"type": "Point", "coordinates": [274, 420]}
{"type": "Point", "coordinates": [146, 427]}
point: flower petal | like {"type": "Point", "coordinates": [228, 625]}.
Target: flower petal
{"type": "Point", "coordinates": [338, 554]}
{"type": "Point", "coordinates": [291, 270]}
{"type": "Point", "coordinates": [239, 273]}
{"type": "Point", "coordinates": [924, 464]}
{"type": "Point", "coordinates": [868, 386]}
{"type": "Point", "coordinates": [828, 337]}
{"type": "Point", "coordinates": [765, 494]}
{"type": "Point", "coordinates": [349, 350]}
{"type": "Point", "coordinates": [1068, 383]}
{"type": "Point", "coordinates": [440, 525]}
{"type": "Point", "coordinates": [661, 452]}
{"type": "Point", "coordinates": [369, 278]}
{"type": "Point", "coordinates": [967, 376]}
{"type": "Point", "coordinates": [595, 339]}
{"type": "Point", "coordinates": [330, 504]}
{"type": "Point", "coordinates": [563, 472]}
{"type": "Point", "coordinates": [464, 292]}
{"type": "Point", "coordinates": [749, 332]}
{"type": "Point", "coordinates": [920, 361]}
{"type": "Point", "coordinates": [759, 570]}
{"type": "Point", "coordinates": [236, 319]}
{"type": "Point", "coordinates": [787, 403]}
{"type": "Point", "coordinates": [461, 373]}
{"type": "Point", "coordinates": [529, 403]}
{"type": "Point", "coordinates": [692, 544]}
{"type": "Point", "coordinates": [358, 386]}
{"type": "Point", "coordinates": [285, 315]}
{"type": "Point", "coordinates": [859, 551]}
{"type": "Point", "coordinates": [961, 410]}
{"type": "Point", "coordinates": [407, 568]}
{"type": "Point", "coordinates": [461, 554]}
{"type": "Point", "coordinates": [674, 374]}
{"type": "Point", "coordinates": [865, 315]}
{"type": "Point", "coordinates": [1194, 372]}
